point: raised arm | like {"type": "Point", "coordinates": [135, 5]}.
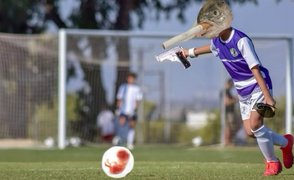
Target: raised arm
{"type": "Point", "coordinates": [194, 52]}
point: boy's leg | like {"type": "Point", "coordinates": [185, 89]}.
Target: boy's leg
{"type": "Point", "coordinates": [286, 144]}
{"type": "Point", "coordinates": [287, 151]}
{"type": "Point", "coordinates": [265, 143]}
{"type": "Point", "coordinates": [131, 134]}
{"type": "Point", "coordinates": [277, 139]}
{"type": "Point", "coordinates": [253, 123]}
{"type": "Point", "coordinates": [263, 136]}
{"type": "Point", "coordinates": [255, 128]}
{"type": "Point", "coordinates": [116, 138]}
{"type": "Point", "coordinates": [229, 128]}
{"type": "Point", "coordinates": [122, 129]}
{"type": "Point", "coordinates": [131, 138]}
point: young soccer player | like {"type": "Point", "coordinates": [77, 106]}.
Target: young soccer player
{"type": "Point", "coordinates": [253, 84]}
{"type": "Point", "coordinates": [251, 79]}
{"type": "Point", "coordinates": [128, 98]}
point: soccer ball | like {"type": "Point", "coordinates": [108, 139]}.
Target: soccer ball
{"type": "Point", "coordinates": [117, 162]}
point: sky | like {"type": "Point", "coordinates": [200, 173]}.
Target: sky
{"type": "Point", "coordinates": [268, 17]}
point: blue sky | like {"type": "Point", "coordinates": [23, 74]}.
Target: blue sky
{"type": "Point", "coordinates": [267, 17]}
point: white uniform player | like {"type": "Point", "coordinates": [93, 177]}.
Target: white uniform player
{"type": "Point", "coordinates": [128, 98]}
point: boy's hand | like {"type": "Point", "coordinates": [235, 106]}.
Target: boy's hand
{"type": "Point", "coordinates": [185, 52]}
{"type": "Point", "coordinates": [265, 110]}
{"type": "Point", "coordinates": [269, 100]}
{"type": "Point", "coordinates": [183, 59]}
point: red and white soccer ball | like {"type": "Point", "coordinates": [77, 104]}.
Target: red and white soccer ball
{"type": "Point", "coordinates": [117, 162]}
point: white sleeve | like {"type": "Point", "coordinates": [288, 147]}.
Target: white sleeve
{"type": "Point", "coordinates": [247, 50]}
{"type": "Point", "coordinates": [98, 121]}
{"type": "Point", "coordinates": [120, 92]}
{"type": "Point", "coordinates": [139, 95]}
{"type": "Point", "coordinates": [213, 49]}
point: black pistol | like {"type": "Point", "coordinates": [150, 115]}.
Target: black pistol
{"type": "Point", "coordinates": [183, 60]}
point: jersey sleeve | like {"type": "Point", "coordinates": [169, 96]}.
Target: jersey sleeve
{"type": "Point", "coordinates": [213, 49]}
{"type": "Point", "coordinates": [139, 94]}
{"type": "Point", "coordinates": [120, 92]}
{"type": "Point", "coordinates": [247, 50]}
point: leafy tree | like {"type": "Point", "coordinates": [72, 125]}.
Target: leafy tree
{"type": "Point", "coordinates": [18, 16]}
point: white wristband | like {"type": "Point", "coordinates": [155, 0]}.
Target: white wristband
{"type": "Point", "coordinates": [191, 53]}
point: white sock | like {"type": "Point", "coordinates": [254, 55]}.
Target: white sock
{"type": "Point", "coordinates": [265, 143]}
{"type": "Point", "coordinates": [131, 136]}
{"type": "Point", "coordinates": [277, 138]}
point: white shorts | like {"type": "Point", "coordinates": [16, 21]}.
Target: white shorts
{"type": "Point", "coordinates": [246, 106]}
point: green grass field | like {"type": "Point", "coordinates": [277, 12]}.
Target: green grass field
{"type": "Point", "coordinates": [156, 162]}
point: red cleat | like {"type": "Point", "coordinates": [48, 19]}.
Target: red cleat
{"type": "Point", "coordinates": [287, 152]}
{"type": "Point", "coordinates": [273, 168]}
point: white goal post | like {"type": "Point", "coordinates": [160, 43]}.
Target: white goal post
{"type": "Point", "coordinates": [64, 33]}
{"type": "Point", "coordinates": [62, 89]}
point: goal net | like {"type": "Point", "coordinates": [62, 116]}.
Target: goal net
{"type": "Point", "coordinates": [56, 86]}
{"type": "Point", "coordinates": [28, 86]}
{"type": "Point", "coordinates": [178, 103]}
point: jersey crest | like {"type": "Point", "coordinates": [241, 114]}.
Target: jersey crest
{"type": "Point", "coordinates": [234, 52]}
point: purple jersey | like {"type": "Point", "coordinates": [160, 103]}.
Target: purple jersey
{"type": "Point", "coordinates": [238, 56]}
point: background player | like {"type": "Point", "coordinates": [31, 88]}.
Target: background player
{"type": "Point", "coordinates": [232, 123]}
{"type": "Point", "coordinates": [105, 124]}
{"type": "Point", "coordinates": [128, 98]}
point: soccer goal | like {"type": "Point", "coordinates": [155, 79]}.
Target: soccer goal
{"type": "Point", "coordinates": [171, 79]}
{"type": "Point", "coordinates": [52, 86]}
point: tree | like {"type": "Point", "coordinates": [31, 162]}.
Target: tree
{"type": "Point", "coordinates": [17, 16]}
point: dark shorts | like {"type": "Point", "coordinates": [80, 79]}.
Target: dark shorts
{"type": "Point", "coordinates": [129, 118]}
{"type": "Point", "coordinates": [107, 138]}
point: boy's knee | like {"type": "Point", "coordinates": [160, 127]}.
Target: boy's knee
{"type": "Point", "coordinates": [256, 121]}
{"type": "Point", "coordinates": [250, 134]}
{"type": "Point", "coordinates": [254, 127]}
{"type": "Point", "coordinates": [132, 124]}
